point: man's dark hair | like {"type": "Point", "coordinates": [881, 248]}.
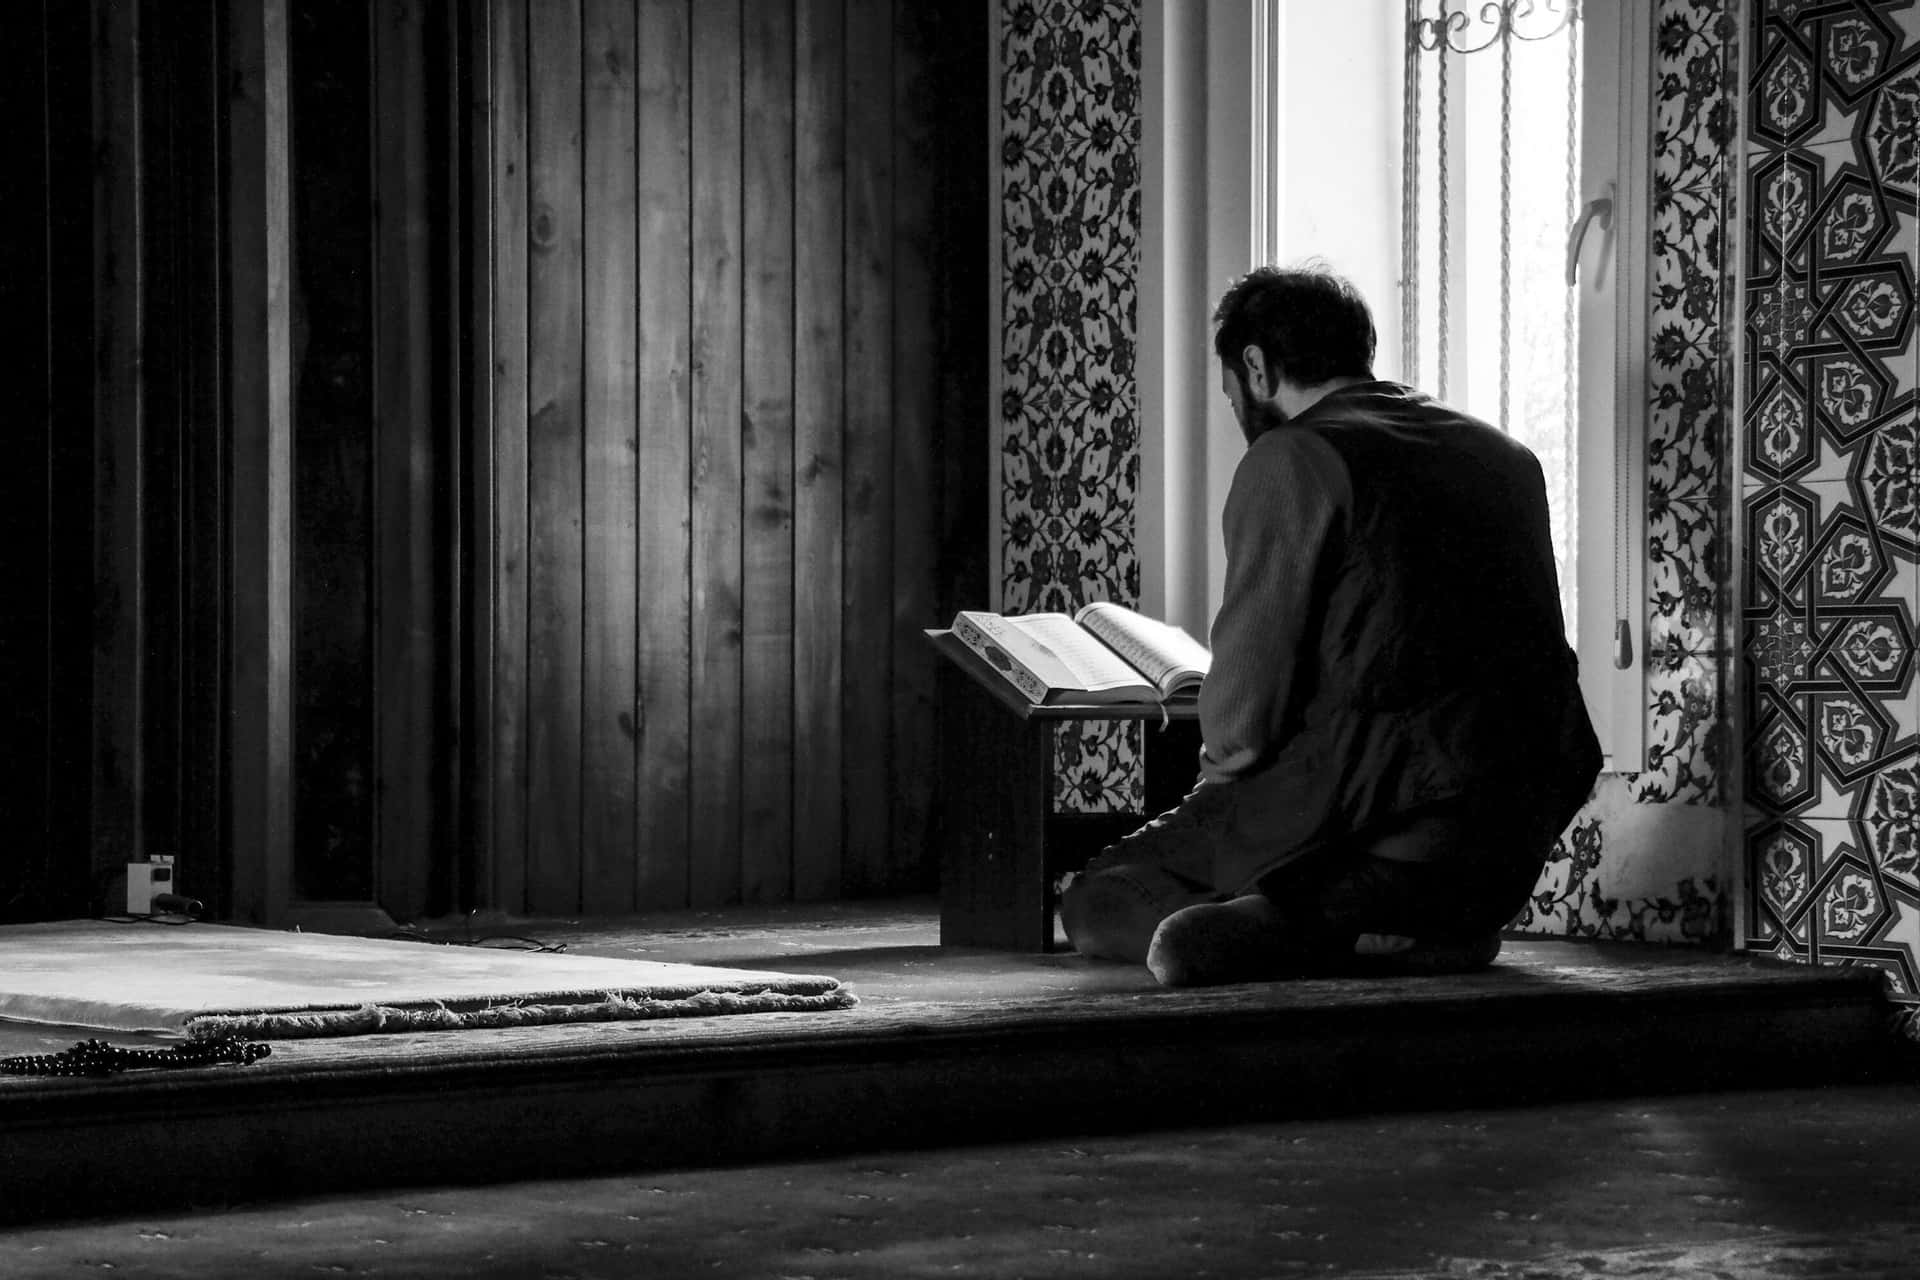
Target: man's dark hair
{"type": "Point", "coordinates": [1310, 324]}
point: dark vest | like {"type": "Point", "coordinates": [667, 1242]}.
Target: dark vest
{"type": "Point", "coordinates": [1442, 670]}
{"type": "Point", "coordinates": [1447, 578]}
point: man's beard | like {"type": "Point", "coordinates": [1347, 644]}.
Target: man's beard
{"type": "Point", "coordinates": [1262, 418]}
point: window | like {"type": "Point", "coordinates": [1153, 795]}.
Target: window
{"type": "Point", "coordinates": [1274, 131]}
{"type": "Point", "coordinates": [1522, 271]}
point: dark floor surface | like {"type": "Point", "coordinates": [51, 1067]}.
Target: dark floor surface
{"type": "Point", "coordinates": [1738, 1183]}
{"type": "Point", "coordinates": [1745, 1186]}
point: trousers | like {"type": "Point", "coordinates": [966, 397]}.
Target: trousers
{"type": "Point", "coordinates": [1448, 872]}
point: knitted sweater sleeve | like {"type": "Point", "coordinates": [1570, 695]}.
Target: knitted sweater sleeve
{"type": "Point", "coordinates": [1282, 514]}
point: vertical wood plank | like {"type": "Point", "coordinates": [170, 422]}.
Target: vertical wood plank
{"type": "Point", "coordinates": [258, 234]}
{"type": "Point", "coordinates": [350, 375]}
{"type": "Point", "coordinates": [608, 757]}
{"type": "Point", "coordinates": [473, 448]}
{"type": "Point", "coordinates": [554, 458]}
{"type": "Point", "coordinates": [665, 517]}
{"type": "Point", "coordinates": [404, 481]}
{"type": "Point", "coordinates": [69, 251]}
{"type": "Point", "coordinates": [867, 614]}
{"type": "Point", "coordinates": [119, 440]}
{"type": "Point", "coordinates": [766, 863]}
{"type": "Point", "coordinates": [208, 482]}
{"type": "Point", "coordinates": [27, 289]}
{"type": "Point", "coordinates": [162, 319]}
{"type": "Point", "coordinates": [818, 409]}
{"type": "Point", "coordinates": [455, 89]}
{"type": "Point", "coordinates": [917, 494]}
{"type": "Point", "coordinates": [716, 788]}
{"type": "Point", "coordinates": [507, 544]}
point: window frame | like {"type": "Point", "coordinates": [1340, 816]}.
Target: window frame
{"type": "Point", "coordinates": [1213, 120]}
{"type": "Point", "coordinates": [1611, 537]}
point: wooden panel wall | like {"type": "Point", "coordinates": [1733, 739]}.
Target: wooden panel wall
{"type": "Point", "coordinates": [111, 510]}
{"type": "Point", "coordinates": [737, 328]}
{"type": "Point", "coordinates": [152, 640]}
{"type": "Point", "coordinates": [46, 494]}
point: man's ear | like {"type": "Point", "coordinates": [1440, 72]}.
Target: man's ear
{"type": "Point", "coordinates": [1254, 360]}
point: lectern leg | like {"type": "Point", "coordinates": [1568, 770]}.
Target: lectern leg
{"type": "Point", "coordinates": [996, 785]}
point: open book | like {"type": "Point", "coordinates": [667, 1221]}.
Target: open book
{"type": "Point", "coordinates": [1104, 653]}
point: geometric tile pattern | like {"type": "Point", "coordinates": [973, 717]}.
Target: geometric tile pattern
{"type": "Point", "coordinates": [1069, 267]}
{"type": "Point", "coordinates": [1831, 582]}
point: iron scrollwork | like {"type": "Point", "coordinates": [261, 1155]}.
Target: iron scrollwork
{"type": "Point", "coordinates": [1498, 20]}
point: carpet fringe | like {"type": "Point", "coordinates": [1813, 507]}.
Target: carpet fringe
{"type": "Point", "coordinates": [614, 1006]}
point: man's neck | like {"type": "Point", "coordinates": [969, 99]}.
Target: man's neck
{"type": "Point", "coordinates": [1296, 400]}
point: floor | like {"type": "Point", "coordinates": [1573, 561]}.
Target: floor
{"type": "Point", "coordinates": [889, 953]}
{"type": "Point", "coordinates": [1741, 1186]}
{"type": "Point", "coordinates": [987, 1114]}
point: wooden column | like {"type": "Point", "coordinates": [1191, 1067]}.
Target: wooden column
{"type": "Point", "coordinates": [260, 536]}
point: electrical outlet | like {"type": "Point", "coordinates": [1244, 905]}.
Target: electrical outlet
{"type": "Point", "coordinates": [147, 879]}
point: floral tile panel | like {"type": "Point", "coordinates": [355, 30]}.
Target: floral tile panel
{"type": "Point", "coordinates": [1687, 427]}
{"type": "Point", "coordinates": [1687, 571]}
{"type": "Point", "coordinates": [1696, 56]}
{"type": "Point", "coordinates": [1070, 254]}
{"type": "Point", "coordinates": [1689, 738]}
{"type": "Point", "coordinates": [1069, 267]}
{"type": "Point", "coordinates": [1634, 871]}
{"type": "Point", "coordinates": [1695, 64]}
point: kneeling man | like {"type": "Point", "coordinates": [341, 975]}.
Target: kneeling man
{"type": "Point", "coordinates": [1393, 726]}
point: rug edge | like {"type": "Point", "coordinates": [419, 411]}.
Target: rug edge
{"type": "Point", "coordinates": [369, 1019]}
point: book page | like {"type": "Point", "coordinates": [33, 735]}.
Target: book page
{"type": "Point", "coordinates": [1165, 654]}
{"type": "Point", "coordinates": [1087, 662]}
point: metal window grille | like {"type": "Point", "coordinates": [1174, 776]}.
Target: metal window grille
{"type": "Point", "coordinates": [1491, 166]}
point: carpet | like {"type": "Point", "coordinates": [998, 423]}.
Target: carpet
{"type": "Point", "coordinates": [207, 980]}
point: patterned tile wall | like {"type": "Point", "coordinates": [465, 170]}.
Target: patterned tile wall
{"type": "Point", "coordinates": [1832, 576]}
{"type": "Point", "coordinates": [1643, 859]}
{"type": "Point", "coordinates": [1069, 432]}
